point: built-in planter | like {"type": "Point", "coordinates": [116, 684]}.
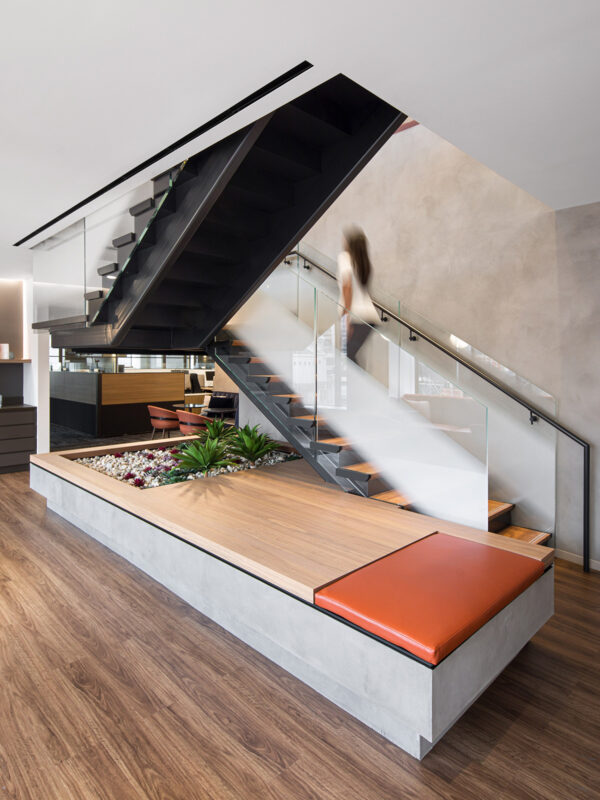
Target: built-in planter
{"type": "Point", "coordinates": [150, 467]}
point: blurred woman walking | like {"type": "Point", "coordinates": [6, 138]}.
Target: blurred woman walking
{"type": "Point", "coordinates": [354, 275]}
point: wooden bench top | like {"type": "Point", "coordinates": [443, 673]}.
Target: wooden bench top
{"type": "Point", "coordinates": [281, 523]}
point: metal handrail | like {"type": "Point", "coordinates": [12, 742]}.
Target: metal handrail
{"type": "Point", "coordinates": [535, 413]}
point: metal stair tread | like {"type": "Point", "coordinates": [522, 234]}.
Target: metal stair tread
{"type": "Point", "coordinates": [121, 241]}
{"type": "Point", "coordinates": [108, 269]}
{"type": "Point", "coordinates": [140, 208]}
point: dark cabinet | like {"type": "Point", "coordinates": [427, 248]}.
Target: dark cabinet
{"type": "Point", "coordinates": [17, 437]}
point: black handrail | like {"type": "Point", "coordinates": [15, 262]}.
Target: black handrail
{"type": "Point", "coordinates": [534, 413]}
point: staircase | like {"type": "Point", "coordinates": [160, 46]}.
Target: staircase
{"type": "Point", "coordinates": [331, 456]}
{"type": "Point", "coordinates": [201, 246]}
{"type": "Point", "coordinates": [215, 227]}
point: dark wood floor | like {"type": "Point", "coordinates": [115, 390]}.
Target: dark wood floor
{"type": "Point", "coordinates": [111, 687]}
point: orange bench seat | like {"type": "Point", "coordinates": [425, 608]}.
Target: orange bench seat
{"type": "Point", "coordinates": [433, 594]}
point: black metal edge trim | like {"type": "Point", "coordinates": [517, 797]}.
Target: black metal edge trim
{"type": "Point", "coordinates": [245, 571]}
{"type": "Point", "coordinates": [276, 83]}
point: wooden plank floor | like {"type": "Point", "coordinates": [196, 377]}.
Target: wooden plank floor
{"type": "Point", "coordinates": [282, 523]}
{"type": "Point", "coordinates": [113, 688]}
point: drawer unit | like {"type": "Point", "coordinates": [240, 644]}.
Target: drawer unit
{"type": "Point", "coordinates": [17, 437]}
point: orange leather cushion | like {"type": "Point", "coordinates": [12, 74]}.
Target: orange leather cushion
{"type": "Point", "coordinates": [432, 595]}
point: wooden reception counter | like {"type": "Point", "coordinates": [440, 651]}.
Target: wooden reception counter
{"type": "Point", "coordinates": [109, 404]}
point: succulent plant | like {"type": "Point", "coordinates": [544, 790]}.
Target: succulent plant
{"type": "Point", "coordinates": [248, 443]}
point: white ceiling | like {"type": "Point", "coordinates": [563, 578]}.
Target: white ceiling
{"type": "Point", "coordinates": [89, 90]}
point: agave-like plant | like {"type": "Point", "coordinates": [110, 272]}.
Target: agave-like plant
{"type": "Point", "coordinates": [202, 456]}
{"type": "Point", "coordinates": [218, 429]}
{"type": "Point", "coordinates": [250, 444]}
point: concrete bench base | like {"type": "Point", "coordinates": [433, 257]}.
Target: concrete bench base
{"type": "Point", "coordinates": [408, 702]}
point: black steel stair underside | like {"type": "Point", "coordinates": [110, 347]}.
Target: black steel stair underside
{"type": "Point", "coordinates": [231, 216]}
{"type": "Point", "coordinates": [292, 419]}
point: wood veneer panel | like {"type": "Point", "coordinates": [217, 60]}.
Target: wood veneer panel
{"type": "Point", "coordinates": [143, 387]}
{"type": "Point", "coordinates": [297, 536]}
{"type": "Point", "coordinates": [96, 450]}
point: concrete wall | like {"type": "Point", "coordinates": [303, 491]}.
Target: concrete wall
{"type": "Point", "coordinates": [251, 415]}
{"type": "Point", "coordinates": [480, 257]}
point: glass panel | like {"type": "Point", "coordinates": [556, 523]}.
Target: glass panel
{"type": "Point", "coordinates": [143, 224]}
{"type": "Point", "coordinates": [425, 454]}
{"type": "Point", "coordinates": [451, 341]}
{"type": "Point", "coordinates": [66, 264]}
{"type": "Point", "coordinates": [103, 226]}
{"type": "Point", "coordinates": [434, 454]}
{"type": "Point", "coordinates": [522, 456]}
{"type": "Point", "coordinates": [59, 274]}
{"type": "Point", "coordinates": [502, 374]}
{"type": "Point", "coordinates": [285, 305]}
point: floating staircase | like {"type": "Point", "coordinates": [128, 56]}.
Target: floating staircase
{"type": "Point", "coordinates": [332, 456]}
{"type": "Point", "coordinates": [214, 229]}
{"type": "Point", "coordinates": [201, 246]}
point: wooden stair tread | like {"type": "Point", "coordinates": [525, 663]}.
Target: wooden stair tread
{"type": "Point", "coordinates": [238, 343]}
{"type": "Point", "coordinates": [391, 496]}
{"type": "Point", "coordinates": [363, 467]}
{"type": "Point", "coordinates": [305, 417]}
{"type": "Point", "coordinates": [525, 534]}
{"type": "Point", "coordinates": [287, 396]}
{"type": "Point", "coordinates": [335, 440]}
{"type": "Point", "coordinates": [496, 507]}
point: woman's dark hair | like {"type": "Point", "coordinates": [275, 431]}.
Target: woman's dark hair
{"type": "Point", "coordinates": [359, 254]}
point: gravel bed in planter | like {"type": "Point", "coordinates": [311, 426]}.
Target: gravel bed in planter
{"type": "Point", "coordinates": [149, 468]}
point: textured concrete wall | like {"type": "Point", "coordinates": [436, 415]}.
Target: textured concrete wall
{"type": "Point", "coordinates": [485, 260]}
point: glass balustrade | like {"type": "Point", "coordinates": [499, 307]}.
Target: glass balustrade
{"type": "Point", "coordinates": [434, 455]}
{"type": "Point", "coordinates": [521, 451]}
{"type": "Point", "coordinates": [66, 264]}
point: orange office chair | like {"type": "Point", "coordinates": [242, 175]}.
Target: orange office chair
{"type": "Point", "coordinates": [191, 423]}
{"type": "Point", "coordinates": [162, 419]}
